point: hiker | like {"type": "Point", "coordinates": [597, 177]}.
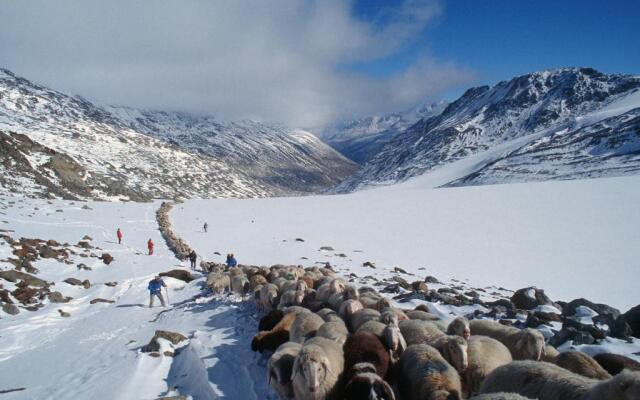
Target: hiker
{"type": "Point", "coordinates": [119, 235]}
{"type": "Point", "coordinates": [150, 247]}
{"type": "Point", "coordinates": [231, 261]}
{"type": "Point", "coordinates": [205, 227]}
{"type": "Point", "coordinates": [193, 257]}
{"type": "Point", "coordinates": [155, 289]}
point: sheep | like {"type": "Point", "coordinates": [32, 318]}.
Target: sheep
{"type": "Point", "coordinates": [423, 315]}
{"type": "Point", "coordinates": [389, 335]}
{"type": "Point", "coordinates": [370, 299]}
{"type": "Point", "coordinates": [550, 354]}
{"type": "Point", "coordinates": [290, 298]}
{"type": "Point", "coordinates": [362, 316]}
{"type": "Point", "coordinates": [582, 364]}
{"type": "Point", "coordinates": [310, 300]}
{"type": "Point", "coordinates": [336, 299]}
{"type": "Point", "coordinates": [499, 396]}
{"type": "Point", "coordinates": [257, 280]}
{"type": "Point", "coordinates": [328, 315]}
{"type": "Point", "coordinates": [389, 314]}
{"type": "Point", "coordinates": [349, 307]}
{"type": "Point", "coordinates": [424, 374]}
{"type": "Point", "coordinates": [219, 283]}
{"type": "Point", "coordinates": [304, 327]}
{"type": "Point", "coordinates": [335, 330]}
{"type": "Point", "coordinates": [454, 350]}
{"type": "Point", "coordinates": [523, 343]}
{"type": "Point", "coordinates": [317, 369]}
{"type": "Point", "coordinates": [366, 347]}
{"type": "Point", "coordinates": [546, 381]}
{"type": "Point", "coordinates": [365, 383]}
{"type": "Point", "coordinates": [267, 297]}
{"type": "Point", "coordinates": [416, 331]}
{"type": "Point", "coordinates": [279, 369]}
{"type": "Point", "coordinates": [270, 320]}
{"type": "Point", "coordinates": [331, 288]}
{"type": "Point", "coordinates": [615, 363]}
{"type": "Point", "coordinates": [240, 285]}
{"type": "Point", "coordinates": [484, 354]}
{"type": "Point", "coordinates": [272, 339]}
{"type": "Point", "coordinates": [375, 327]}
{"type": "Point", "coordinates": [459, 326]}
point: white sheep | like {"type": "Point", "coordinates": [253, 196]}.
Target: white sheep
{"type": "Point", "coordinates": [454, 349]}
{"type": "Point", "coordinates": [362, 316]}
{"type": "Point", "coordinates": [484, 355]}
{"type": "Point", "coordinates": [459, 326]}
{"type": "Point", "coordinates": [267, 297]}
{"type": "Point", "coordinates": [219, 283]}
{"type": "Point", "coordinates": [304, 327]}
{"type": "Point", "coordinates": [416, 331]}
{"type": "Point", "coordinates": [524, 344]}
{"type": "Point", "coordinates": [240, 284]}
{"type": "Point", "coordinates": [328, 315]}
{"type": "Point", "coordinates": [291, 298]}
{"type": "Point", "coordinates": [424, 374]}
{"type": "Point", "coordinates": [348, 308]}
{"type": "Point", "coordinates": [334, 330]}
{"type": "Point", "coordinates": [317, 369]}
{"type": "Point", "coordinates": [280, 367]}
{"type": "Point", "coordinates": [546, 381]}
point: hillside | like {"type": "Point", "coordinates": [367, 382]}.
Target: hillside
{"type": "Point", "coordinates": [117, 153]}
{"type": "Point", "coordinates": [564, 124]}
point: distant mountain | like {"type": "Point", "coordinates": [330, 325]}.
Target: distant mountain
{"type": "Point", "coordinates": [59, 145]}
{"type": "Point", "coordinates": [361, 139]}
{"type": "Point", "coordinates": [567, 123]}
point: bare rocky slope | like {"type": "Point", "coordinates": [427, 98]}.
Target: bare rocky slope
{"type": "Point", "coordinates": [65, 146]}
{"type": "Point", "coordinates": [569, 123]}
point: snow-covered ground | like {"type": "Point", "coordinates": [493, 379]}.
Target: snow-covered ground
{"type": "Point", "coordinates": [571, 238]}
{"type": "Point", "coordinates": [94, 353]}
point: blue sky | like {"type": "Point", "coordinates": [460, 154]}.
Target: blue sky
{"type": "Point", "coordinates": [499, 39]}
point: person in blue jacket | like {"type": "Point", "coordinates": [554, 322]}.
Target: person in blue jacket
{"type": "Point", "coordinates": [155, 289]}
{"type": "Point", "coordinates": [231, 261]}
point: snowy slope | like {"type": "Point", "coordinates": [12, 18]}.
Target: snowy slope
{"type": "Point", "coordinates": [556, 102]}
{"type": "Point", "coordinates": [125, 153]}
{"type": "Point", "coordinates": [362, 138]}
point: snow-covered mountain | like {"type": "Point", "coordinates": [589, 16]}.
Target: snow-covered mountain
{"type": "Point", "coordinates": [556, 124]}
{"type": "Point", "coordinates": [362, 138]}
{"type": "Point", "coordinates": [72, 148]}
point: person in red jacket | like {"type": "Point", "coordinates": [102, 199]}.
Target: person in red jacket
{"type": "Point", "coordinates": [119, 235]}
{"type": "Point", "coordinates": [150, 246]}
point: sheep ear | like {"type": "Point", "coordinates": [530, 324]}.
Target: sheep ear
{"type": "Point", "coordinates": [388, 392]}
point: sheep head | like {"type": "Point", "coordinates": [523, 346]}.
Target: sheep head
{"type": "Point", "coordinates": [368, 385]}
{"type": "Point", "coordinates": [455, 352]}
{"type": "Point", "coordinates": [529, 345]}
{"type": "Point", "coordinates": [394, 340]}
{"type": "Point", "coordinates": [314, 369]}
{"type": "Point", "coordinates": [388, 317]}
{"type": "Point", "coordinates": [459, 326]}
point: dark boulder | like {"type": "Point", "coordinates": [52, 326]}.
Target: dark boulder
{"type": "Point", "coordinates": [616, 363]}
{"type": "Point", "coordinates": [106, 258]}
{"type": "Point", "coordinates": [12, 276]}
{"type": "Point", "coordinates": [601, 309]}
{"type": "Point", "coordinates": [530, 298]}
{"type": "Point", "coordinates": [632, 318]}
{"type": "Point", "coordinates": [101, 300]}
{"type": "Point", "coordinates": [154, 346]}
{"type": "Point", "coordinates": [10, 309]}
{"type": "Point", "coordinates": [57, 297]}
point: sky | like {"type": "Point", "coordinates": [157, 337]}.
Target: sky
{"type": "Point", "coordinates": [305, 63]}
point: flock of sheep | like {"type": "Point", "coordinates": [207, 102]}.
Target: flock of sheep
{"type": "Point", "coordinates": [332, 340]}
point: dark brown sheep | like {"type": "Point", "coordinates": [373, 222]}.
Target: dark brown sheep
{"type": "Point", "coordinates": [615, 363]}
{"type": "Point", "coordinates": [365, 347]}
{"type": "Point", "coordinates": [582, 364]}
{"type": "Point", "coordinates": [269, 321]}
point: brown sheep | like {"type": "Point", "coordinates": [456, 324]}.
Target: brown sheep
{"type": "Point", "coordinates": [550, 354]}
{"type": "Point", "coordinates": [582, 364]}
{"type": "Point", "coordinates": [546, 381]}
{"type": "Point", "coordinates": [615, 363]}
{"type": "Point", "coordinates": [366, 347]}
{"type": "Point", "coordinates": [424, 374]}
{"type": "Point", "coordinates": [269, 321]}
{"type": "Point", "coordinates": [271, 340]}
{"type": "Point", "coordinates": [524, 344]}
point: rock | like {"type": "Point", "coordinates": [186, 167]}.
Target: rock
{"type": "Point", "coordinates": [100, 300]}
{"type": "Point", "coordinates": [52, 243]}
{"type": "Point", "coordinates": [172, 398]}
{"type": "Point", "coordinates": [402, 282]}
{"type": "Point", "coordinates": [399, 270]}
{"type": "Point", "coordinates": [530, 298]}
{"type": "Point", "coordinates": [570, 308]}
{"type": "Point", "coordinates": [50, 252]}
{"type": "Point", "coordinates": [632, 318]}
{"type": "Point", "coordinates": [86, 207]}
{"type": "Point", "coordinates": [153, 354]}
{"type": "Point", "coordinates": [4, 296]}
{"type": "Point", "coordinates": [85, 245]}
{"type": "Point", "coordinates": [180, 274]}
{"type": "Point", "coordinates": [26, 295]}
{"type": "Point", "coordinates": [431, 279]}
{"type": "Point", "coordinates": [57, 297]}
{"type": "Point", "coordinates": [73, 281]}
{"type": "Point", "coordinates": [299, 240]}
{"type": "Point", "coordinates": [87, 237]}
{"type": "Point", "coordinates": [111, 284]}
{"type": "Point", "coordinates": [153, 345]}
{"type": "Point", "coordinates": [326, 248]}
{"type": "Point", "coordinates": [106, 258]}
{"type": "Point", "coordinates": [419, 286]}
{"type": "Point", "coordinates": [508, 305]}
{"type": "Point", "coordinates": [618, 327]}
{"type": "Point", "coordinates": [11, 309]}
{"type": "Point", "coordinates": [83, 266]}
{"type": "Point", "coordinates": [594, 331]}
{"type": "Point", "coordinates": [86, 284]}
{"type": "Point", "coordinates": [369, 264]}
{"type": "Point", "coordinates": [168, 353]}
{"type": "Point", "coordinates": [64, 314]}
{"type": "Point", "coordinates": [12, 276]}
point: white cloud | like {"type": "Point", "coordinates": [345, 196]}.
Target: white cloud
{"type": "Point", "coordinates": [269, 60]}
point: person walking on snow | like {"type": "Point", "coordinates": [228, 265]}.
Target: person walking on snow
{"type": "Point", "coordinates": [231, 261]}
{"type": "Point", "coordinates": [119, 235]}
{"type": "Point", "coordinates": [205, 227]}
{"type": "Point", "coordinates": [150, 247]}
{"type": "Point", "coordinates": [193, 257]}
{"type": "Point", "coordinates": [155, 289]}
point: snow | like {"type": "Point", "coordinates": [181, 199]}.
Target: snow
{"type": "Point", "coordinates": [572, 238]}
